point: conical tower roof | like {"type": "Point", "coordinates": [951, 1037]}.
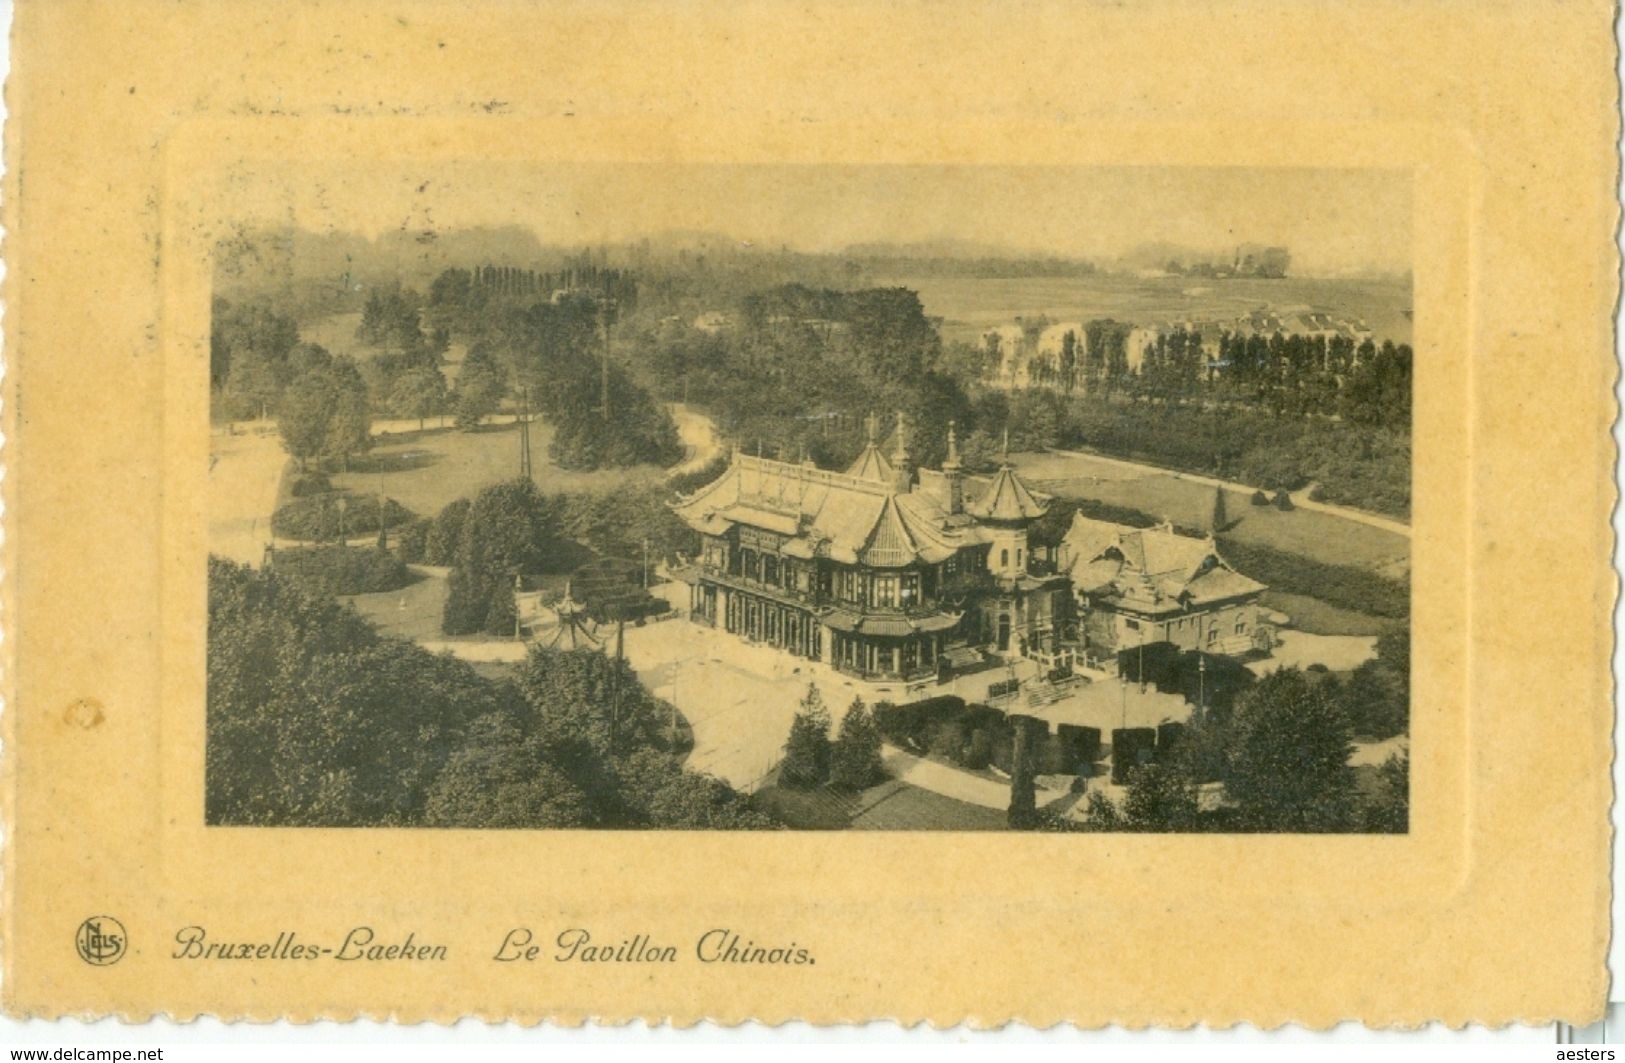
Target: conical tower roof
{"type": "Point", "coordinates": [1006, 499]}
{"type": "Point", "coordinates": [872, 464]}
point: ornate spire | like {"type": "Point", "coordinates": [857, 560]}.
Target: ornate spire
{"type": "Point", "coordinates": [1004, 449]}
{"type": "Point", "coordinates": [951, 462]}
{"type": "Point", "coordinates": [902, 467]}
{"type": "Point", "coordinates": [871, 424]}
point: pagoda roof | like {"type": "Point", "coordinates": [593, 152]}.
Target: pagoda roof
{"type": "Point", "coordinates": [847, 518]}
{"type": "Point", "coordinates": [1007, 498]}
{"type": "Point", "coordinates": [872, 465]}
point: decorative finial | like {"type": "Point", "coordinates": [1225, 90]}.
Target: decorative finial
{"type": "Point", "coordinates": [952, 461]}
{"type": "Point", "coordinates": [902, 437]}
{"type": "Point", "coordinates": [871, 425]}
{"type": "Point", "coordinates": [1004, 450]}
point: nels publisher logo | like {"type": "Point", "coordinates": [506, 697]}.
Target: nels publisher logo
{"type": "Point", "coordinates": [100, 940]}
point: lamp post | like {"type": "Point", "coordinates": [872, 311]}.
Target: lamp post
{"type": "Point", "coordinates": [1201, 686]}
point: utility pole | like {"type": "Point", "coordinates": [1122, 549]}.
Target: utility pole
{"type": "Point", "coordinates": [524, 432]}
{"type": "Point", "coordinates": [603, 322]}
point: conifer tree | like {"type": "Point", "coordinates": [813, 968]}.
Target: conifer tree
{"type": "Point", "coordinates": [807, 751]}
{"type": "Point", "coordinates": [1221, 519]}
{"type": "Point", "coordinates": [855, 760]}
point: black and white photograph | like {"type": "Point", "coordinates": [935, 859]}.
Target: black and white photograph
{"type": "Point", "coordinates": [766, 497]}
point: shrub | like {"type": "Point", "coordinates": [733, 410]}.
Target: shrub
{"type": "Point", "coordinates": [315, 518]}
{"type": "Point", "coordinates": [686, 483]}
{"type": "Point", "coordinates": [948, 741]}
{"type": "Point", "coordinates": [1283, 501]}
{"type": "Point", "coordinates": [309, 483]}
{"type": "Point", "coordinates": [343, 569]}
{"type": "Point", "coordinates": [412, 540]}
{"type": "Point", "coordinates": [917, 726]}
{"type": "Point", "coordinates": [979, 750]}
{"type": "Point", "coordinates": [1260, 498]}
{"type": "Point", "coordinates": [440, 544]}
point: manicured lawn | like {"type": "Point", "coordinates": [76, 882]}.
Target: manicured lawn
{"type": "Point", "coordinates": [911, 808]}
{"type": "Point", "coordinates": [1323, 537]}
{"type": "Point", "coordinates": [819, 809]}
{"type": "Point", "coordinates": [1318, 618]}
{"type": "Point", "coordinates": [425, 470]}
{"type": "Point", "coordinates": [413, 612]}
{"type": "Point", "coordinates": [892, 805]}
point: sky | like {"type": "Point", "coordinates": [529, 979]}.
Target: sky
{"type": "Point", "coordinates": [1334, 221]}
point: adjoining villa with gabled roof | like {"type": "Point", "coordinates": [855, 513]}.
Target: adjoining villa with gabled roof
{"type": "Point", "coordinates": [1143, 585]}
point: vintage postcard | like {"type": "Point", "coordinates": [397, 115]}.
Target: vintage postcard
{"type": "Point", "coordinates": [967, 513]}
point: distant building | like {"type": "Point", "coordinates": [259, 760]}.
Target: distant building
{"type": "Point", "coordinates": [878, 571]}
{"type": "Point", "coordinates": [1138, 586]}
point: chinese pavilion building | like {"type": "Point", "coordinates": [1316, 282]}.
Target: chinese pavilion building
{"type": "Point", "coordinates": [882, 571]}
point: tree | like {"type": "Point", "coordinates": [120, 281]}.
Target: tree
{"type": "Point", "coordinates": [249, 345]}
{"type": "Point", "coordinates": [1161, 798]}
{"type": "Point", "coordinates": [1377, 696]}
{"type": "Point", "coordinates": [1220, 520]}
{"type": "Point", "coordinates": [481, 387]}
{"type": "Point", "coordinates": [1387, 810]}
{"type": "Point", "coordinates": [440, 545]}
{"type": "Point", "coordinates": [419, 393]}
{"type": "Point", "coordinates": [1287, 756]}
{"type": "Point", "coordinates": [807, 751]}
{"type": "Point", "coordinates": [510, 528]}
{"type": "Point", "coordinates": [656, 792]}
{"type": "Point", "coordinates": [303, 417]}
{"type": "Point", "coordinates": [855, 761]}
{"type": "Point", "coordinates": [324, 412]}
{"type": "Point", "coordinates": [312, 719]}
{"type": "Point", "coordinates": [980, 452]}
{"type": "Point", "coordinates": [349, 427]}
{"type": "Point", "coordinates": [501, 778]}
{"type": "Point", "coordinates": [585, 704]}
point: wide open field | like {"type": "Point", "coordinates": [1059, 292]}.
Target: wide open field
{"type": "Point", "coordinates": [969, 305]}
{"type": "Point", "coordinates": [1320, 536]}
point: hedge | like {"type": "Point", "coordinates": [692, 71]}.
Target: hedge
{"type": "Point", "coordinates": [310, 483]}
{"type": "Point", "coordinates": [316, 518]}
{"type": "Point", "coordinates": [343, 569]}
{"type": "Point", "coordinates": [1131, 747]}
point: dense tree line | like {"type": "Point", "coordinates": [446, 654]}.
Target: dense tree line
{"type": "Point", "coordinates": [315, 720]}
{"type": "Point", "coordinates": [1366, 466]}
{"type": "Point", "coordinates": [1284, 374]}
